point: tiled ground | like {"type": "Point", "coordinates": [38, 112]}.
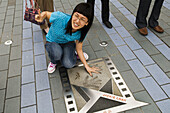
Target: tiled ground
{"type": "Point", "coordinates": [144, 62]}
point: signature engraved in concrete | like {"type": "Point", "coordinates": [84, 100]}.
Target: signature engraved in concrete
{"type": "Point", "coordinates": [77, 76]}
{"type": "Point", "coordinates": [93, 83]}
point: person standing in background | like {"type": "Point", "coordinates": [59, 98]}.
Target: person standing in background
{"type": "Point", "coordinates": [142, 13]}
{"type": "Point", "coordinates": [45, 5]}
{"type": "Point", "coordinates": [105, 12]}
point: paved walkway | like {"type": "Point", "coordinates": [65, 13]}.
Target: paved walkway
{"type": "Point", "coordinates": [144, 62]}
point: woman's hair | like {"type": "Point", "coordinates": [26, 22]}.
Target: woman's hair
{"type": "Point", "coordinates": [86, 10]}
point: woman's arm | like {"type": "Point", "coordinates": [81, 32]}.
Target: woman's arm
{"type": "Point", "coordinates": [79, 50]}
{"type": "Point", "coordinates": [41, 16]}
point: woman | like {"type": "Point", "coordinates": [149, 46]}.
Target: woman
{"type": "Point", "coordinates": [66, 35]}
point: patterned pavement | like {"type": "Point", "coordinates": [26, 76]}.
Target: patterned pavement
{"type": "Point", "coordinates": [144, 62]}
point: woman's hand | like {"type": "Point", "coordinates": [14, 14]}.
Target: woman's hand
{"type": "Point", "coordinates": [93, 69]}
{"type": "Point", "coordinates": [40, 16]}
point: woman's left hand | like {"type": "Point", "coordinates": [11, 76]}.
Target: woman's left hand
{"type": "Point", "coordinates": [93, 69]}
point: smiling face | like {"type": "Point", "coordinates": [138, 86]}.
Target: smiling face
{"type": "Point", "coordinates": [78, 21]}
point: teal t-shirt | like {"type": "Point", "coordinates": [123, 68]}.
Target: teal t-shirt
{"type": "Point", "coordinates": [57, 30]}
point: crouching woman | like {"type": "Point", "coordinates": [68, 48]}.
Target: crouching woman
{"type": "Point", "coordinates": [66, 36]}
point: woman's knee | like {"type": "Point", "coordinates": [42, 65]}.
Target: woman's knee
{"type": "Point", "coordinates": [68, 63]}
{"type": "Point", "coordinates": [54, 50]}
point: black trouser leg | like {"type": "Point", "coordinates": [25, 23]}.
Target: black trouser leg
{"type": "Point", "coordinates": [142, 13]}
{"type": "Point", "coordinates": [105, 10]}
{"type": "Point", "coordinates": [92, 3]}
{"type": "Point", "coordinates": [153, 20]}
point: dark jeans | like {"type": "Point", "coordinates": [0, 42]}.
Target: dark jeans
{"type": "Point", "coordinates": [63, 52]}
{"type": "Point", "coordinates": [143, 10]}
{"type": "Point", "coordinates": [105, 9]}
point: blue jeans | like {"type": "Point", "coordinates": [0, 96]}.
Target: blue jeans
{"type": "Point", "coordinates": [63, 52]}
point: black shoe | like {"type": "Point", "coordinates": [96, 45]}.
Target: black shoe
{"type": "Point", "coordinates": [108, 24]}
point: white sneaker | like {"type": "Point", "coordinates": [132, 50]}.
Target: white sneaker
{"type": "Point", "coordinates": [51, 67]}
{"type": "Point", "coordinates": [86, 56]}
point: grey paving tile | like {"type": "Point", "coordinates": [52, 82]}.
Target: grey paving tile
{"type": "Point", "coordinates": [56, 87]}
{"type": "Point", "coordinates": [131, 42]}
{"type": "Point", "coordinates": [27, 44]}
{"type": "Point", "coordinates": [14, 68]}
{"type": "Point", "coordinates": [9, 19]}
{"type": "Point", "coordinates": [4, 49]}
{"type": "Point", "coordinates": [59, 106]}
{"type": "Point", "coordinates": [2, 16]}
{"type": "Point", "coordinates": [90, 52]}
{"type": "Point", "coordinates": [39, 48]}
{"type": "Point", "coordinates": [2, 99]}
{"type": "Point", "coordinates": [3, 79]}
{"type": "Point", "coordinates": [149, 48]}
{"type": "Point", "coordinates": [120, 63]}
{"type": "Point", "coordinates": [166, 40]}
{"type": "Point", "coordinates": [136, 110]}
{"type": "Point", "coordinates": [102, 35]}
{"type": "Point", "coordinates": [28, 74]}
{"type": "Point", "coordinates": [111, 48]}
{"type": "Point", "coordinates": [6, 36]}
{"type": "Point", "coordinates": [162, 62]}
{"type": "Point", "coordinates": [144, 57]}
{"type": "Point", "coordinates": [16, 40]}
{"type": "Point", "coordinates": [138, 68]}
{"type": "Point", "coordinates": [27, 58]}
{"type": "Point", "coordinates": [168, 74]}
{"type": "Point", "coordinates": [109, 31]}
{"type": "Point", "coordinates": [28, 95]}
{"type": "Point", "coordinates": [13, 87]}
{"type": "Point", "coordinates": [37, 36]}
{"type": "Point", "coordinates": [26, 24]}
{"type": "Point", "coordinates": [166, 88]}
{"type": "Point", "coordinates": [164, 105]}
{"type": "Point", "coordinates": [126, 52]}
{"type": "Point", "coordinates": [95, 44]}
{"type": "Point", "coordinates": [18, 7]}
{"type": "Point", "coordinates": [131, 18]}
{"type": "Point", "coordinates": [153, 38]}
{"type": "Point", "coordinates": [12, 105]}
{"type": "Point", "coordinates": [144, 97]}
{"type": "Point", "coordinates": [117, 4]}
{"type": "Point", "coordinates": [36, 27]}
{"type": "Point", "coordinates": [164, 50]}
{"type": "Point", "coordinates": [7, 27]}
{"type": "Point", "coordinates": [123, 32]}
{"type": "Point", "coordinates": [17, 21]}
{"type": "Point", "coordinates": [40, 62]}
{"type": "Point", "coordinates": [31, 109]}
{"type": "Point", "coordinates": [158, 74]}
{"type": "Point", "coordinates": [124, 11]}
{"type": "Point", "coordinates": [117, 39]}
{"type": "Point", "coordinates": [17, 30]}
{"type": "Point", "coordinates": [102, 53]}
{"type": "Point", "coordinates": [27, 33]}
{"type": "Point", "coordinates": [4, 62]}
{"type": "Point", "coordinates": [44, 102]}
{"type": "Point", "coordinates": [42, 80]}
{"type": "Point", "coordinates": [134, 86]}
{"type": "Point", "coordinates": [18, 14]}
{"type": "Point", "coordinates": [1, 24]}
{"type": "Point", "coordinates": [15, 53]}
{"type": "Point", "coordinates": [120, 17]}
{"type": "Point", "coordinates": [153, 89]}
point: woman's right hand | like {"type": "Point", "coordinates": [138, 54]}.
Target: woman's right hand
{"type": "Point", "coordinates": [40, 16]}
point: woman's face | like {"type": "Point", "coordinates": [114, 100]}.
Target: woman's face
{"type": "Point", "coordinates": [79, 21]}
